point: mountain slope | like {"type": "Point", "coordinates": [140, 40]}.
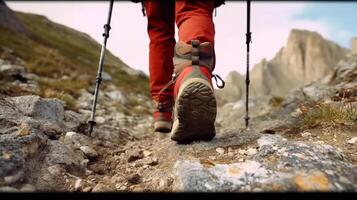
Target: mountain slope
{"type": "Point", "coordinates": [68, 58]}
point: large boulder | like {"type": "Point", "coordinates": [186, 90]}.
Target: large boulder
{"type": "Point", "coordinates": [30, 127]}
{"type": "Point", "coordinates": [279, 165]}
{"type": "Point", "coordinates": [39, 108]}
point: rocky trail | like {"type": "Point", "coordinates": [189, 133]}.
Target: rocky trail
{"type": "Point", "coordinates": [289, 147]}
{"type": "Point", "coordinates": [303, 133]}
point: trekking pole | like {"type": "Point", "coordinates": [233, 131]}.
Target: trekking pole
{"type": "Point", "coordinates": [247, 81]}
{"type": "Point", "coordinates": [98, 81]}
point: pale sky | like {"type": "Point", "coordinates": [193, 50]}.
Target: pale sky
{"type": "Point", "coordinates": [270, 26]}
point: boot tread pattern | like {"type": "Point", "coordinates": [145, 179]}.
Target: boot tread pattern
{"type": "Point", "coordinates": [196, 109]}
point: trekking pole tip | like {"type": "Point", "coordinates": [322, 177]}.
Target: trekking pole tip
{"type": "Point", "coordinates": [246, 122]}
{"type": "Point", "coordinates": [91, 126]}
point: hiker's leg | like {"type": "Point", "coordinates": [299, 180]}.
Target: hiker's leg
{"type": "Point", "coordinates": [194, 20]}
{"type": "Point", "coordinates": [195, 103]}
{"type": "Point", "coordinates": [161, 30]}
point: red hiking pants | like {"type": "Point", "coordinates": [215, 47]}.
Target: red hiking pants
{"type": "Point", "coordinates": [194, 22]}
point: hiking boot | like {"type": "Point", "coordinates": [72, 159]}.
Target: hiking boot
{"type": "Point", "coordinates": [195, 104]}
{"type": "Point", "coordinates": [162, 116]}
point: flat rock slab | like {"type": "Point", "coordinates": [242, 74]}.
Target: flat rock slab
{"type": "Point", "coordinates": [279, 165]}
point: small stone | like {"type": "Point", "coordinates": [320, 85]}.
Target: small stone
{"type": "Point", "coordinates": [100, 187]}
{"type": "Point", "coordinates": [134, 179]}
{"type": "Point", "coordinates": [70, 134]}
{"type": "Point", "coordinates": [299, 155]}
{"type": "Point", "coordinates": [161, 183]}
{"type": "Point", "coordinates": [305, 134]}
{"type": "Point", "coordinates": [100, 120]}
{"type": "Point", "coordinates": [136, 156]}
{"type": "Point", "coordinates": [87, 189]}
{"type": "Point", "coordinates": [247, 188]}
{"type": "Point", "coordinates": [230, 149]}
{"type": "Point", "coordinates": [212, 157]}
{"type": "Point", "coordinates": [251, 151]}
{"type": "Point", "coordinates": [84, 163]}
{"type": "Point", "coordinates": [344, 180]}
{"type": "Point", "coordinates": [123, 187]}
{"type": "Point", "coordinates": [88, 151]}
{"type": "Point", "coordinates": [98, 168]}
{"type": "Point", "coordinates": [352, 140]}
{"type": "Point", "coordinates": [154, 162]}
{"type": "Point", "coordinates": [241, 151]}
{"type": "Point", "coordinates": [117, 95]}
{"type": "Point", "coordinates": [146, 153]}
{"type": "Point", "coordinates": [7, 155]}
{"type": "Point", "coordinates": [117, 178]}
{"type": "Point", "coordinates": [257, 190]}
{"type": "Point", "coordinates": [78, 184]}
{"type": "Point", "coordinates": [320, 142]}
{"type": "Point", "coordinates": [14, 178]}
{"type": "Point", "coordinates": [285, 154]}
{"type": "Point", "coordinates": [28, 188]}
{"type": "Point", "coordinates": [106, 180]}
{"type": "Point", "coordinates": [68, 137]}
{"type": "Point", "coordinates": [220, 150]}
{"type": "Point", "coordinates": [88, 172]}
{"type": "Point", "coordinates": [230, 154]}
{"type": "Point", "coordinates": [8, 189]}
{"type": "Point", "coordinates": [136, 188]}
{"type": "Point", "coordinates": [24, 130]}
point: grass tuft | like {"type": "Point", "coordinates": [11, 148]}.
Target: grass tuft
{"type": "Point", "coordinates": [276, 101]}
{"type": "Point", "coordinates": [329, 114]}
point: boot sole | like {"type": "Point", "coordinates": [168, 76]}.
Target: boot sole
{"type": "Point", "coordinates": [195, 112]}
{"type": "Point", "coordinates": [162, 126]}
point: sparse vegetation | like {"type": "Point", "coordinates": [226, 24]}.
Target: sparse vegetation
{"type": "Point", "coordinates": [54, 51]}
{"type": "Point", "coordinates": [330, 114]}
{"type": "Point", "coordinates": [276, 101]}
{"type": "Point", "coordinates": [66, 90]}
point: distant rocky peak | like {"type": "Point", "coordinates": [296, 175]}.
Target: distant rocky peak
{"type": "Point", "coordinates": [309, 56]}
{"type": "Point", "coordinates": [233, 75]}
{"type": "Point", "coordinates": [305, 58]}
